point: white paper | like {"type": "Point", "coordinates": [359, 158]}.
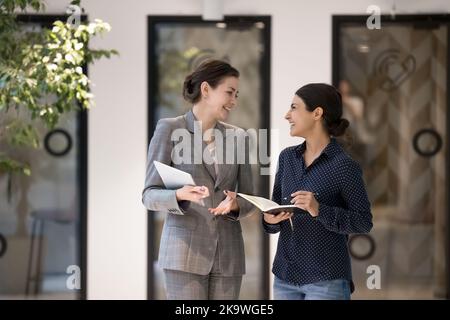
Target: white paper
{"type": "Point", "coordinates": [173, 178]}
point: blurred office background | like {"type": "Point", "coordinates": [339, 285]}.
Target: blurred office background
{"type": "Point", "coordinates": [395, 89]}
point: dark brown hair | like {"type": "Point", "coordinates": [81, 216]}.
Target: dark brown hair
{"type": "Point", "coordinates": [329, 99]}
{"type": "Point", "coordinates": [211, 71]}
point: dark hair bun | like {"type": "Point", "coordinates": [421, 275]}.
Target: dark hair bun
{"type": "Point", "coordinates": [338, 128]}
{"type": "Point", "coordinates": [191, 93]}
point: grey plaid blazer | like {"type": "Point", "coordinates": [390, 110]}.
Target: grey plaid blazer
{"type": "Point", "coordinates": [191, 235]}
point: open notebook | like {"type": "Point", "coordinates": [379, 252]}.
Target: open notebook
{"type": "Point", "coordinates": [266, 205]}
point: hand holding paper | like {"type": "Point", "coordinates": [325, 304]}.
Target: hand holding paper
{"type": "Point", "coordinates": [192, 193]}
{"type": "Point", "coordinates": [181, 181]}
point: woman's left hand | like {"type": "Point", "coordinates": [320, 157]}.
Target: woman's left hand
{"type": "Point", "coordinates": [305, 200]}
{"type": "Point", "coordinates": [227, 205]}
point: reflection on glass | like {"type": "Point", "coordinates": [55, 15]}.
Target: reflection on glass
{"type": "Point", "coordinates": [39, 218]}
{"type": "Point", "coordinates": [393, 85]}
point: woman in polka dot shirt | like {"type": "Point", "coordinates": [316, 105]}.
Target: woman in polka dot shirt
{"type": "Point", "coordinates": [326, 185]}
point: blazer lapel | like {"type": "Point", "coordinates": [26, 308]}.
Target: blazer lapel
{"type": "Point", "coordinates": [200, 148]}
{"type": "Point", "coordinates": [223, 167]}
{"type": "Point", "coordinates": [209, 164]}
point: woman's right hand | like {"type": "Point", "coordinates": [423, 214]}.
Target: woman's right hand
{"type": "Point", "coordinates": [192, 193]}
{"type": "Point", "coordinates": [274, 219]}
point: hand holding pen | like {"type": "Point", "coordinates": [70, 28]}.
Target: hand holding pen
{"type": "Point", "coordinates": [306, 200]}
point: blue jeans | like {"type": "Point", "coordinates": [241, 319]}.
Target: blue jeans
{"type": "Point", "coordinates": [325, 290]}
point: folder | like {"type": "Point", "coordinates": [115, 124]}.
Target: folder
{"type": "Point", "coordinates": [173, 178]}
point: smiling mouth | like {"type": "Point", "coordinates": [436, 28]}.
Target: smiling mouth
{"type": "Point", "coordinates": [227, 108]}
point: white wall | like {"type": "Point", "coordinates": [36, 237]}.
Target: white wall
{"type": "Point", "coordinates": [301, 53]}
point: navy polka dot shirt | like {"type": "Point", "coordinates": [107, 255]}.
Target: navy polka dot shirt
{"type": "Point", "coordinates": [316, 248]}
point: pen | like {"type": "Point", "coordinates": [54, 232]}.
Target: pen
{"type": "Point", "coordinates": [314, 194]}
{"type": "Point", "coordinates": [290, 219]}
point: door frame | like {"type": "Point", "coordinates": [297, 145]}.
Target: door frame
{"type": "Point", "coordinates": [46, 20]}
{"type": "Point", "coordinates": [152, 21]}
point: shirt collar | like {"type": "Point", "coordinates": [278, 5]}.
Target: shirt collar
{"type": "Point", "coordinates": [191, 123]}
{"type": "Point", "coordinates": [332, 149]}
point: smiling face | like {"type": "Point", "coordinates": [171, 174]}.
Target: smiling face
{"type": "Point", "coordinates": [222, 99]}
{"type": "Point", "coordinates": [302, 122]}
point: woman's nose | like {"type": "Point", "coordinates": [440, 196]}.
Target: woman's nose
{"type": "Point", "coordinates": [287, 115]}
{"type": "Point", "coordinates": [233, 102]}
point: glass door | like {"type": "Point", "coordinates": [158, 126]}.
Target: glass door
{"type": "Point", "coordinates": [177, 45]}
{"type": "Point", "coordinates": [42, 216]}
{"type": "Point", "coordinates": [394, 85]}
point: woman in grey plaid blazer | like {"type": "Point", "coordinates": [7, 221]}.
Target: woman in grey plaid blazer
{"type": "Point", "coordinates": [202, 250]}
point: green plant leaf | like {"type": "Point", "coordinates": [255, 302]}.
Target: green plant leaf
{"type": "Point", "coordinates": [43, 66]}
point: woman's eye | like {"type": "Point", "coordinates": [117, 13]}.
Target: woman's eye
{"type": "Point", "coordinates": [230, 93]}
